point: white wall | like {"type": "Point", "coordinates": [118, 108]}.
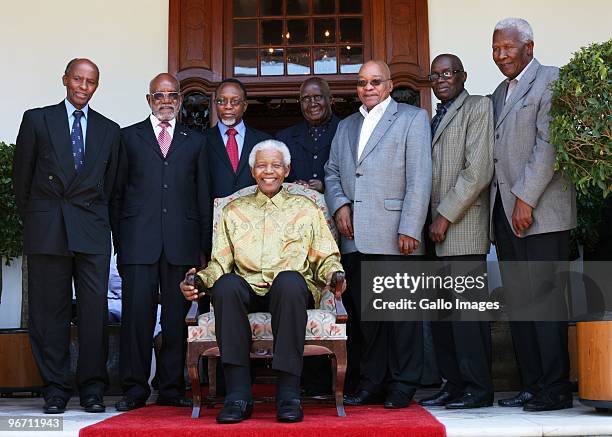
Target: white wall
{"type": "Point", "coordinates": [128, 40]}
{"type": "Point", "coordinates": [560, 27]}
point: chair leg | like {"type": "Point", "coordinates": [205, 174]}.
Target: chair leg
{"type": "Point", "coordinates": [193, 367]}
{"type": "Point", "coordinates": [212, 378]}
{"type": "Point", "coordinates": [339, 373]}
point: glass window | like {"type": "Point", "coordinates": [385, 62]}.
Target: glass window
{"type": "Point", "coordinates": [350, 7]}
{"type": "Point", "coordinates": [245, 8]}
{"type": "Point", "coordinates": [272, 62]}
{"type": "Point", "coordinates": [324, 6]}
{"type": "Point", "coordinates": [325, 61]}
{"type": "Point", "coordinates": [271, 32]}
{"type": "Point", "coordinates": [245, 62]}
{"type": "Point", "coordinates": [270, 7]}
{"type": "Point", "coordinates": [298, 61]}
{"type": "Point", "coordinates": [350, 30]}
{"type": "Point", "coordinates": [297, 32]}
{"type": "Point", "coordinates": [297, 7]}
{"type": "Point", "coordinates": [245, 32]}
{"type": "Point", "coordinates": [351, 59]}
{"type": "Point", "coordinates": [325, 30]}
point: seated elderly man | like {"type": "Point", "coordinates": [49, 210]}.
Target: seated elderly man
{"type": "Point", "coordinates": [271, 251]}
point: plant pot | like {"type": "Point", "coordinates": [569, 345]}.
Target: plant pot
{"type": "Point", "coordinates": [595, 363]}
{"type": "Point", "coordinates": [18, 371]}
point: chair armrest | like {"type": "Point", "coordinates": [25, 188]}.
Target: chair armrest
{"type": "Point", "coordinates": [341, 314]}
{"type": "Point", "coordinates": [192, 316]}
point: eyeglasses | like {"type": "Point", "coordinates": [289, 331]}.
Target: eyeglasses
{"type": "Point", "coordinates": [361, 83]}
{"type": "Point", "coordinates": [317, 98]}
{"type": "Point", "coordinates": [233, 102]}
{"type": "Point", "coordinates": [158, 96]}
{"type": "Point", "coordinates": [445, 75]}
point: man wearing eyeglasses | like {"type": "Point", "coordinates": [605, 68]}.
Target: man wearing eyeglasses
{"type": "Point", "coordinates": [161, 213]}
{"type": "Point", "coordinates": [310, 140]}
{"type": "Point", "coordinates": [462, 167]}
{"type": "Point", "coordinates": [378, 181]}
{"type": "Point", "coordinates": [229, 143]}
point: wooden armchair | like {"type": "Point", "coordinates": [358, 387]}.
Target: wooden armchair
{"type": "Point", "coordinates": [325, 328]}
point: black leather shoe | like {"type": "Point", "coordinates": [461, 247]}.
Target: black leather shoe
{"type": "Point", "coordinates": [398, 399]}
{"type": "Point", "coordinates": [235, 411]}
{"type": "Point", "coordinates": [516, 401]}
{"type": "Point", "coordinates": [289, 411]}
{"type": "Point", "coordinates": [127, 404]}
{"type": "Point", "coordinates": [362, 397]}
{"type": "Point", "coordinates": [549, 402]}
{"type": "Point", "coordinates": [93, 404]}
{"type": "Point", "coordinates": [179, 401]}
{"type": "Point", "coordinates": [470, 400]}
{"type": "Point", "coordinates": [439, 399]}
{"type": "Point", "coordinates": [55, 405]}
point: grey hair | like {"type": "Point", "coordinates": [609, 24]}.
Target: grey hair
{"type": "Point", "coordinates": [276, 145]}
{"type": "Point", "coordinates": [518, 24]}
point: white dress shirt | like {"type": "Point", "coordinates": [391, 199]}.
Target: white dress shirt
{"type": "Point", "coordinates": [157, 128]}
{"type": "Point", "coordinates": [70, 108]}
{"type": "Point", "coordinates": [512, 84]}
{"type": "Point", "coordinates": [370, 120]}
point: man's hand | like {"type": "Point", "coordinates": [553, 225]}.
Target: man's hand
{"type": "Point", "coordinates": [188, 289]}
{"type": "Point", "coordinates": [521, 217]}
{"type": "Point", "coordinates": [332, 285]}
{"type": "Point", "coordinates": [344, 222]}
{"type": "Point", "coordinates": [315, 184]}
{"type": "Point", "coordinates": [407, 244]}
{"type": "Point", "coordinates": [302, 182]}
{"type": "Point", "coordinates": [437, 230]}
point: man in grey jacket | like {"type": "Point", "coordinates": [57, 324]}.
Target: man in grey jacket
{"type": "Point", "coordinates": [378, 181]}
{"type": "Point", "coordinates": [534, 210]}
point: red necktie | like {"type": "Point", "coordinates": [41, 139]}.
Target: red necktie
{"type": "Point", "coordinates": [163, 138]}
{"type": "Point", "coordinates": [232, 148]}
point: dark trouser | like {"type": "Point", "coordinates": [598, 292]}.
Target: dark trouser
{"type": "Point", "coordinates": [142, 285]}
{"type": "Point", "coordinates": [541, 347]}
{"type": "Point", "coordinates": [50, 298]}
{"type": "Point", "coordinates": [287, 301]}
{"type": "Point", "coordinates": [391, 352]}
{"type": "Point", "coordinates": [463, 348]}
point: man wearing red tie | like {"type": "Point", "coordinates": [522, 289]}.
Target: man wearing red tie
{"type": "Point", "coordinates": [161, 228]}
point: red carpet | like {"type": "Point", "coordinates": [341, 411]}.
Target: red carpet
{"type": "Point", "coordinates": [319, 420]}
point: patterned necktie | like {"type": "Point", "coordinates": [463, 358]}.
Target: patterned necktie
{"type": "Point", "coordinates": [76, 136]}
{"type": "Point", "coordinates": [232, 148]}
{"type": "Point", "coordinates": [163, 138]}
{"type": "Point", "coordinates": [440, 112]}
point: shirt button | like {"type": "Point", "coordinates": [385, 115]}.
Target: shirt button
{"type": "Point", "coordinates": [165, 185]}
{"type": "Point", "coordinates": [315, 157]}
{"type": "Point", "coordinates": [166, 163]}
{"type": "Point", "coordinates": [164, 210]}
{"type": "Point", "coordinates": [50, 177]}
{"type": "Point", "coordinates": [495, 160]}
{"type": "Point", "coordinates": [314, 175]}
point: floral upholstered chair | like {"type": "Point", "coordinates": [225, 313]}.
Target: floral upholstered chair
{"type": "Point", "coordinates": [325, 328]}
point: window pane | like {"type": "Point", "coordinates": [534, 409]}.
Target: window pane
{"type": "Point", "coordinates": [350, 30]}
{"type": "Point", "coordinates": [324, 6]}
{"type": "Point", "coordinates": [297, 7]}
{"type": "Point", "coordinates": [325, 61]}
{"type": "Point", "coordinates": [245, 32]}
{"type": "Point", "coordinates": [350, 6]}
{"type": "Point", "coordinates": [325, 30]}
{"type": "Point", "coordinates": [271, 32]}
{"type": "Point", "coordinates": [272, 62]}
{"type": "Point", "coordinates": [270, 7]}
{"type": "Point", "coordinates": [351, 59]}
{"type": "Point", "coordinates": [245, 8]}
{"type": "Point", "coordinates": [298, 32]}
{"type": "Point", "coordinates": [245, 62]}
{"type": "Point", "coordinates": [298, 61]}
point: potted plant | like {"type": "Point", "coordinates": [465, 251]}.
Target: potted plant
{"type": "Point", "coordinates": [581, 132]}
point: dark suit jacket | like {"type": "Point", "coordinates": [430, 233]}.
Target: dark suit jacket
{"type": "Point", "coordinates": [161, 203]}
{"type": "Point", "coordinates": [223, 180]}
{"type": "Point", "coordinates": [308, 157]}
{"type": "Point", "coordinates": [64, 211]}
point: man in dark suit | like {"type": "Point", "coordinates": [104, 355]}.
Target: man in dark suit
{"type": "Point", "coordinates": [229, 143]}
{"type": "Point", "coordinates": [310, 140]}
{"type": "Point", "coordinates": [63, 174]}
{"type": "Point", "coordinates": [161, 214]}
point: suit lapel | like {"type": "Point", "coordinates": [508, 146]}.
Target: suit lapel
{"type": "Point", "coordinates": [381, 128]}
{"type": "Point", "coordinates": [146, 132]}
{"type": "Point", "coordinates": [353, 134]}
{"type": "Point", "coordinates": [523, 88]}
{"type": "Point", "coordinates": [450, 114]}
{"type": "Point", "coordinates": [216, 143]}
{"type": "Point", "coordinates": [59, 132]}
{"type": "Point", "coordinates": [247, 146]}
{"type": "Point", "coordinates": [94, 140]}
{"type": "Point", "coordinates": [180, 135]}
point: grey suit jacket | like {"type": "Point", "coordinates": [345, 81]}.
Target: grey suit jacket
{"type": "Point", "coordinates": [462, 160]}
{"type": "Point", "coordinates": [525, 159]}
{"type": "Point", "coordinates": [388, 187]}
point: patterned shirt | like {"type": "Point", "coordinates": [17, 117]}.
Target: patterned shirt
{"type": "Point", "coordinates": [258, 237]}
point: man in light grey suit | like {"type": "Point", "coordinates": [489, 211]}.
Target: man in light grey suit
{"type": "Point", "coordinates": [462, 158]}
{"type": "Point", "coordinates": [534, 209]}
{"type": "Point", "coordinates": [378, 181]}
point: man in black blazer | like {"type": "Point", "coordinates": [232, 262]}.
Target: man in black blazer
{"type": "Point", "coordinates": [63, 174]}
{"type": "Point", "coordinates": [310, 140]}
{"type": "Point", "coordinates": [161, 228]}
{"type": "Point", "coordinates": [229, 174]}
